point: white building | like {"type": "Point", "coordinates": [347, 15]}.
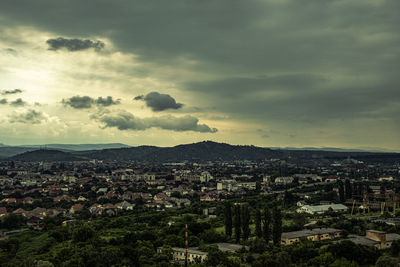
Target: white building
{"type": "Point", "coordinates": [320, 209]}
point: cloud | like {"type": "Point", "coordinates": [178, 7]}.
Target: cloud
{"type": "Point", "coordinates": [11, 92]}
{"type": "Point", "coordinates": [159, 102]}
{"type": "Point", "coordinates": [105, 102]}
{"type": "Point", "coordinates": [74, 44]}
{"type": "Point", "coordinates": [85, 102]}
{"type": "Point", "coordinates": [18, 103]}
{"type": "Point", "coordinates": [78, 102]}
{"type": "Point", "coordinates": [3, 101]}
{"type": "Point", "coordinates": [286, 64]}
{"type": "Point", "coordinates": [30, 116]}
{"type": "Point", "coordinates": [123, 120]}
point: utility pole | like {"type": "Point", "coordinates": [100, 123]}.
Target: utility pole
{"type": "Point", "coordinates": [186, 245]}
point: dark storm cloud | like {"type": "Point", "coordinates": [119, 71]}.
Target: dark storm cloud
{"type": "Point", "coordinates": [238, 86]}
{"type": "Point", "coordinates": [290, 62]}
{"type": "Point", "coordinates": [74, 44]}
{"type": "Point", "coordinates": [108, 101]}
{"type": "Point", "coordinates": [139, 97]}
{"type": "Point", "coordinates": [85, 102]}
{"type": "Point", "coordinates": [18, 103]}
{"type": "Point", "coordinates": [31, 116]}
{"type": "Point", "coordinates": [3, 101]}
{"type": "Point", "coordinates": [11, 92]}
{"type": "Point", "coordinates": [306, 99]}
{"type": "Point", "coordinates": [78, 102]}
{"type": "Point", "coordinates": [126, 121]}
{"type": "Point", "coordinates": [159, 102]}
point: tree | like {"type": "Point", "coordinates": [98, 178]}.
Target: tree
{"type": "Point", "coordinates": [245, 219]}
{"type": "Point", "coordinates": [258, 186]}
{"type": "Point", "coordinates": [237, 223]}
{"type": "Point", "coordinates": [299, 220]}
{"type": "Point", "coordinates": [228, 219]}
{"type": "Point", "coordinates": [276, 226]}
{"type": "Point", "coordinates": [348, 189]}
{"type": "Point", "coordinates": [266, 225]}
{"type": "Point", "coordinates": [12, 221]}
{"type": "Point", "coordinates": [341, 192]}
{"type": "Point", "coordinates": [386, 261]}
{"type": "Point", "coordinates": [258, 223]}
{"type": "Point", "coordinates": [82, 233]}
{"type": "Point", "coordinates": [216, 257]}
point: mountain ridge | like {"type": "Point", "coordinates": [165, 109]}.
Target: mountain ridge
{"type": "Point", "coordinates": [201, 151]}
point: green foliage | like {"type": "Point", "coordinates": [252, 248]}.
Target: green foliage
{"type": "Point", "coordinates": [216, 257]}
{"type": "Point", "coordinates": [245, 220]}
{"type": "Point", "coordinates": [12, 221]}
{"type": "Point", "coordinates": [276, 226]}
{"type": "Point", "coordinates": [267, 225]}
{"type": "Point", "coordinates": [386, 261]}
{"type": "Point", "coordinates": [82, 232]}
{"type": "Point", "coordinates": [237, 224]}
{"type": "Point", "coordinates": [228, 218]}
{"type": "Point", "coordinates": [342, 262]}
{"type": "Point", "coordinates": [258, 223]}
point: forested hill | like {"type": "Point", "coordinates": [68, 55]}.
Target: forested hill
{"type": "Point", "coordinates": [47, 155]}
{"type": "Point", "coordinates": [202, 151]}
{"type": "Point", "coordinates": [198, 151]}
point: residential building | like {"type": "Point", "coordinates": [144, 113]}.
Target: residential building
{"type": "Point", "coordinates": [318, 234]}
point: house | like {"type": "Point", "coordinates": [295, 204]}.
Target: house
{"type": "Point", "coordinates": [229, 247]}
{"type": "Point", "coordinates": [62, 197]}
{"type": "Point", "coordinates": [210, 211]}
{"type": "Point", "coordinates": [385, 179]}
{"type": "Point", "coordinates": [75, 208]}
{"type": "Point", "coordinates": [284, 180]}
{"type": "Point", "coordinates": [320, 209]}
{"type": "Point", "coordinates": [27, 200]}
{"type": "Point", "coordinates": [38, 213]}
{"type": "Point", "coordinates": [377, 239]}
{"type": "Point", "coordinates": [193, 254]}
{"type": "Point", "coordinates": [96, 209]}
{"type": "Point", "coordinates": [196, 255]}
{"type": "Point", "coordinates": [3, 211]}
{"type": "Point", "coordinates": [82, 198]}
{"type": "Point", "coordinates": [54, 212]}
{"type": "Point", "coordinates": [102, 190]}
{"type": "Point", "coordinates": [318, 234]}
{"type": "Point", "coordinates": [160, 196]}
{"type": "Point", "coordinates": [20, 211]}
{"type": "Point", "coordinates": [125, 205]}
{"type": "Point", "coordinates": [9, 200]}
{"type": "Point", "coordinates": [112, 195]}
{"type": "Point", "coordinates": [205, 177]}
{"type": "Point", "coordinates": [301, 203]}
{"type": "Point", "coordinates": [209, 197]}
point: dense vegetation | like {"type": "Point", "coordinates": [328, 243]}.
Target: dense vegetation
{"type": "Point", "coordinates": [132, 239]}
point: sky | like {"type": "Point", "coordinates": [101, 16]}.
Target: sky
{"type": "Point", "coordinates": [273, 73]}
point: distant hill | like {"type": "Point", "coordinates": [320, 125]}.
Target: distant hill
{"type": "Point", "coordinates": [335, 149]}
{"type": "Point", "coordinates": [202, 151]}
{"type": "Point", "coordinates": [198, 151]}
{"type": "Point", "coordinates": [9, 151]}
{"type": "Point", "coordinates": [46, 155]}
{"type": "Point", "coordinates": [79, 147]}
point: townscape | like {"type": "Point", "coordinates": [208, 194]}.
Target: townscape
{"type": "Point", "coordinates": [308, 211]}
{"type": "Point", "coordinates": [222, 133]}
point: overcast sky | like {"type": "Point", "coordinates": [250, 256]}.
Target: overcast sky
{"type": "Point", "coordinates": [263, 72]}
